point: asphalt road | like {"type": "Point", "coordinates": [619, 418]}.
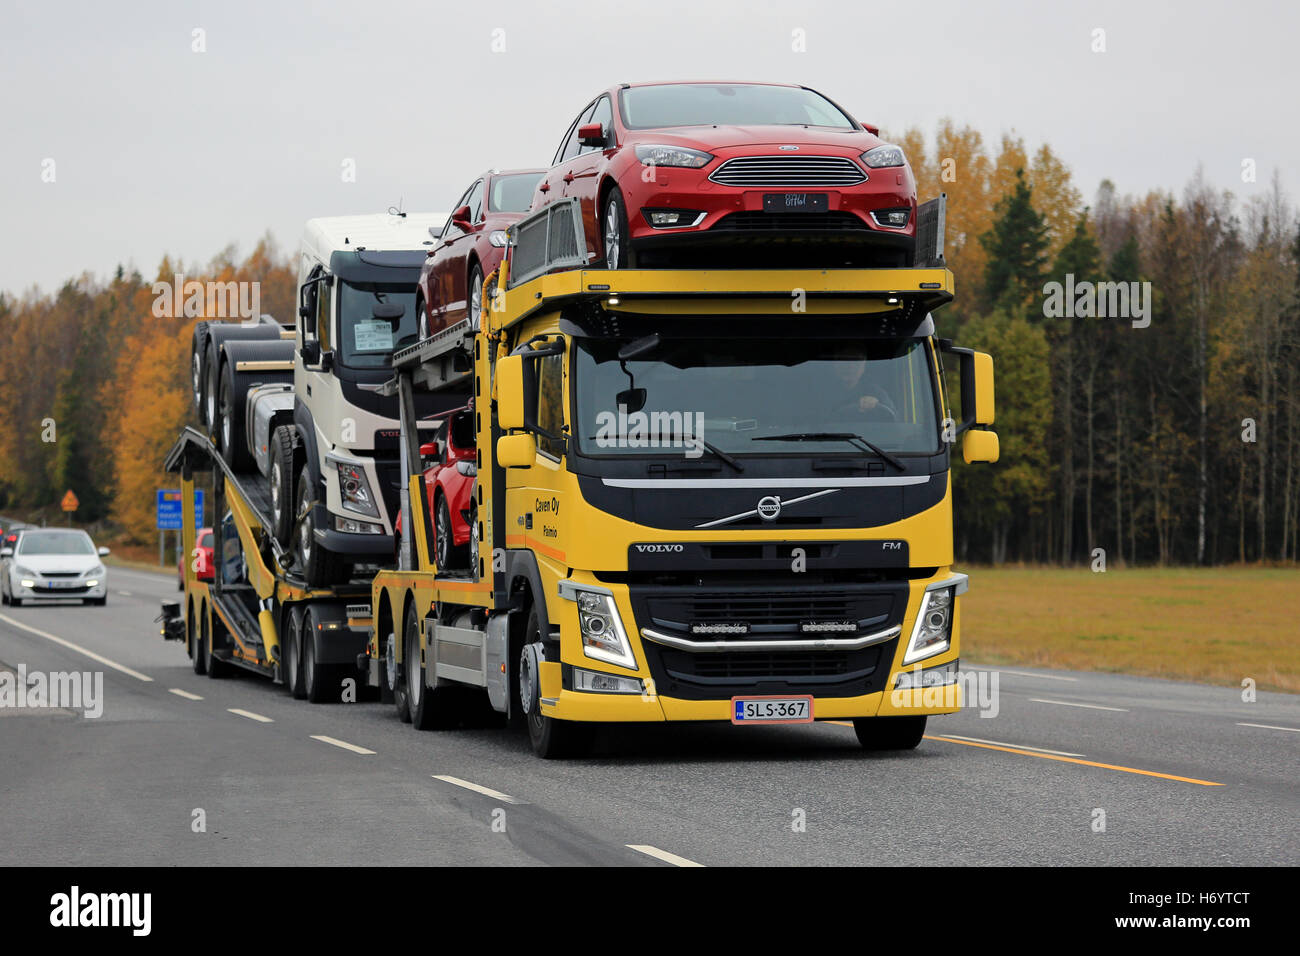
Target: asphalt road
{"type": "Point", "coordinates": [1180, 774]}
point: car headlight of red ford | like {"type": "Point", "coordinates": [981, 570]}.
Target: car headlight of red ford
{"type": "Point", "coordinates": [883, 156]}
{"type": "Point", "coordinates": [652, 154]}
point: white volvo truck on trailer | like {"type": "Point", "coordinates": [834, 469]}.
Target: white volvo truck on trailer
{"type": "Point", "coordinates": [302, 406]}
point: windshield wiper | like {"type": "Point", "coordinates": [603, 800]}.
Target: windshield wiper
{"type": "Point", "coordinates": [706, 445]}
{"type": "Point", "coordinates": [838, 436]}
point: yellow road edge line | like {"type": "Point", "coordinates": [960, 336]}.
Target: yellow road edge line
{"type": "Point", "coordinates": [1085, 763]}
{"type": "Point", "coordinates": [78, 648]}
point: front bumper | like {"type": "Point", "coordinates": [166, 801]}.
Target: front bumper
{"type": "Point", "coordinates": [732, 212]}
{"type": "Point", "coordinates": [844, 681]}
{"type": "Point", "coordinates": [54, 589]}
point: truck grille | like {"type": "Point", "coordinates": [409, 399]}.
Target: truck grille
{"type": "Point", "coordinates": [763, 608]}
{"type": "Point", "coordinates": [789, 171]}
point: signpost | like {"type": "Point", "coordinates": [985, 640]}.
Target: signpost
{"type": "Point", "coordinates": [170, 517]}
{"type": "Point", "coordinates": [70, 504]}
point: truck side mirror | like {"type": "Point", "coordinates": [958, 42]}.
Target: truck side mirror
{"type": "Point", "coordinates": [310, 352]}
{"type": "Point", "coordinates": [982, 372]}
{"type": "Point", "coordinates": [980, 447]}
{"type": "Point", "coordinates": [510, 393]}
{"type": "Point", "coordinates": [977, 406]}
{"type": "Point", "coordinates": [516, 451]}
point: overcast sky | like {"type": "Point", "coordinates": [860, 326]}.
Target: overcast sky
{"type": "Point", "coordinates": [158, 149]}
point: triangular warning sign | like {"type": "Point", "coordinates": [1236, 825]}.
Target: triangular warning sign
{"type": "Point", "coordinates": [70, 501]}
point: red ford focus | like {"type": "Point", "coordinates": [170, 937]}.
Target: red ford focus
{"type": "Point", "coordinates": [470, 246]}
{"type": "Point", "coordinates": [678, 166]}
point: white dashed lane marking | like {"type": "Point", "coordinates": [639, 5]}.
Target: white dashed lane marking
{"type": "Point", "coordinates": [250, 715]}
{"type": "Point", "coordinates": [341, 743]}
{"type": "Point", "coordinates": [477, 788]}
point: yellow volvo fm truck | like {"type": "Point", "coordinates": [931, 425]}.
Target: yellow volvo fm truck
{"type": "Point", "coordinates": [699, 496]}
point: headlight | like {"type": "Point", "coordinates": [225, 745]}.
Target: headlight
{"type": "Point", "coordinates": [24, 572]}
{"type": "Point", "coordinates": [602, 632]}
{"type": "Point", "coordinates": [932, 632]}
{"type": "Point", "coordinates": [466, 467]}
{"type": "Point", "coordinates": [354, 490]}
{"type": "Point", "coordinates": [94, 572]}
{"type": "Point", "coordinates": [656, 155]}
{"type": "Point", "coordinates": [353, 526]}
{"type": "Point", "coordinates": [887, 155]}
{"type": "Point", "coordinates": [498, 238]}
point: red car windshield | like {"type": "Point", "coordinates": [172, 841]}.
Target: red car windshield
{"type": "Point", "coordinates": [727, 104]}
{"type": "Point", "coordinates": [512, 193]}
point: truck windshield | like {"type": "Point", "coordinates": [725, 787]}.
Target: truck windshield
{"type": "Point", "coordinates": [365, 341]}
{"type": "Point", "coordinates": [727, 104]}
{"type": "Point", "coordinates": [756, 397]}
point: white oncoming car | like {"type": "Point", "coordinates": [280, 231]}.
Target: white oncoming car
{"type": "Point", "coordinates": [53, 564]}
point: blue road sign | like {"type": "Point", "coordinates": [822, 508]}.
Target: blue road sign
{"type": "Point", "coordinates": [169, 509]}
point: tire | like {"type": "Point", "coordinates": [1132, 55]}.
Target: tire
{"type": "Point", "coordinates": [210, 385]}
{"type": "Point", "coordinates": [197, 379]}
{"type": "Point", "coordinates": [213, 667]}
{"type": "Point", "coordinates": [321, 683]}
{"type": "Point", "coordinates": [292, 666]}
{"type": "Point", "coordinates": [281, 478]}
{"type": "Point", "coordinates": [475, 291]}
{"type": "Point", "coordinates": [98, 602]}
{"type": "Point", "coordinates": [551, 739]}
{"type": "Point", "coordinates": [889, 733]}
{"type": "Point", "coordinates": [230, 405]}
{"type": "Point", "coordinates": [473, 537]}
{"type": "Point", "coordinates": [449, 555]}
{"type": "Point", "coordinates": [198, 635]}
{"type": "Point", "coordinates": [429, 707]}
{"type": "Point", "coordinates": [394, 680]}
{"type": "Point", "coordinates": [317, 565]}
{"type": "Point", "coordinates": [15, 602]}
{"type": "Point", "coordinates": [614, 232]}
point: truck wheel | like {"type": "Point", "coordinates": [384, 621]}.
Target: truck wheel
{"type": "Point", "coordinates": [215, 667]}
{"type": "Point", "coordinates": [615, 232]}
{"type": "Point", "coordinates": [889, 733]}
{"type": "Point", "coordinates": [282, 472]}
{"type": "Point", "coordinates": [394, 685]}
{"type": "Point", "coordinates": [199, 638]}
{"type": "Point", "coordinates": [230, 402]}
{"type": "Point", "coordinates": [317, 565]}
{"type": "Point", "coordinates": [321, 682]}
{"type": "Point", "coordinates": [449, 555]}
{"type": "Point", "coordinates": [429, 707]}
{"type": "Point", "coordinates": [210, 386]}
{"type": "Point", "coordinates": [551, 739]}
{"type": "Point", "coordinates": [197, 349]}
{"type": "Point", "coordinates": [292, 650]}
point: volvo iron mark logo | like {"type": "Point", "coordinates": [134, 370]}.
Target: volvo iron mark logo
{"type": "Point", "coordinates": [769, 508]}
